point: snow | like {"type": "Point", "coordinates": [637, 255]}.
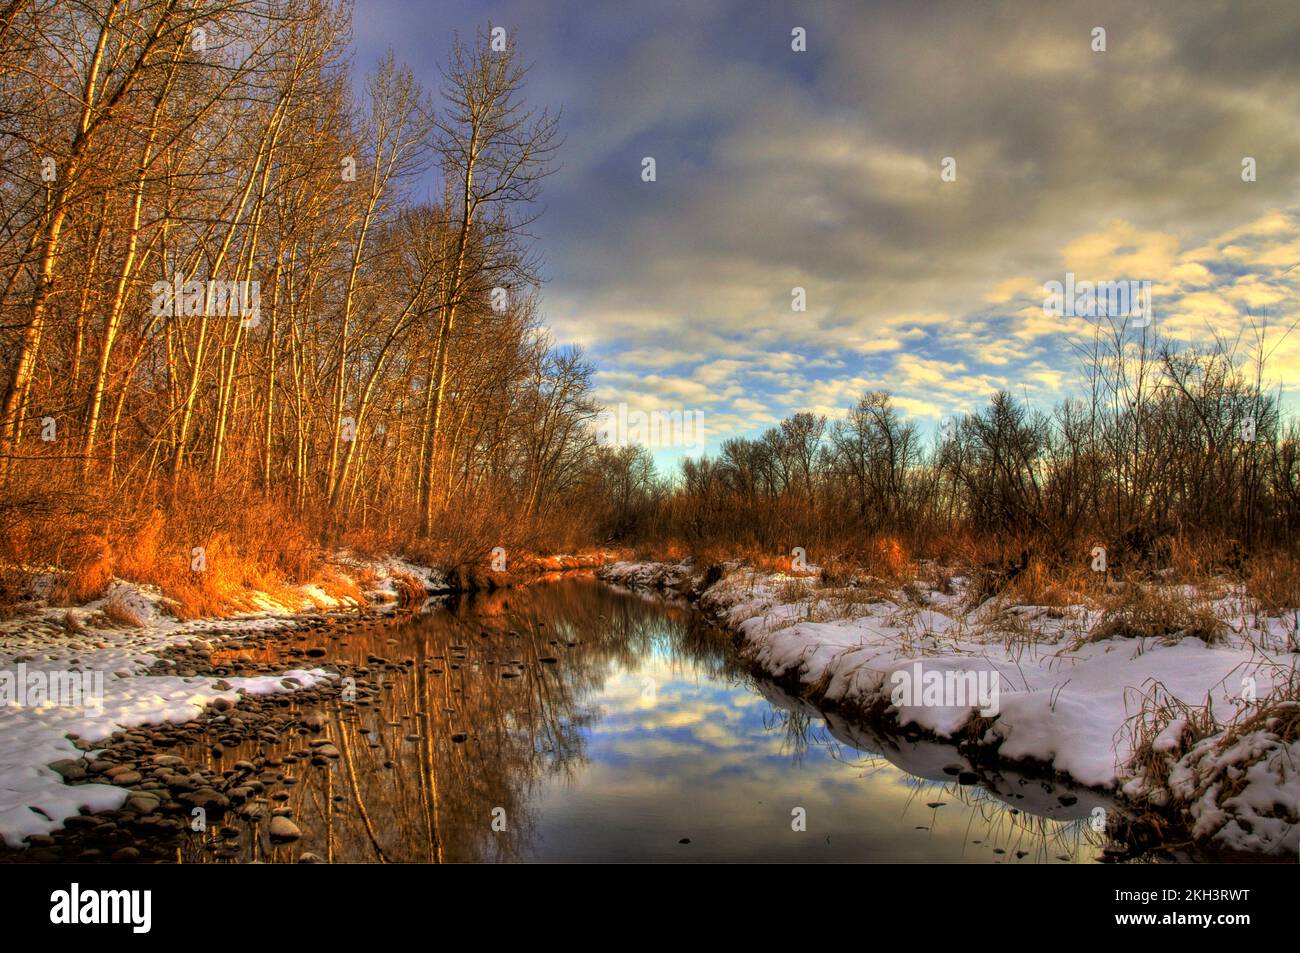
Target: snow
{"type": "Point", "coordinates": [34, 799]}
{"type": "Point", "coordinates": [387, 568]}
{"type": "Point", "coordinates": [1062, 701]}
{"type": "Point", "coordinates": [1265, 774]}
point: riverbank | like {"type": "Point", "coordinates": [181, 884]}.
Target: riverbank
{"type": "Point", "coordinates": [118, 669]}
{"type": "Point", "coordinates": [1198, 730]}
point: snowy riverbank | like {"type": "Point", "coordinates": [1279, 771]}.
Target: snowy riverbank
{"type": "Point", "coordinates": [1199, 730]}
{"type": "Point", "coordinates": [74, 672]}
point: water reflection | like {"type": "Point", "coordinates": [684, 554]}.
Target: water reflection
{"type": "Point", "coordinates": [572, 722]}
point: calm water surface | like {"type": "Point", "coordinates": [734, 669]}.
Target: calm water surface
{"type": "Point", "coordinates": [572, 722]}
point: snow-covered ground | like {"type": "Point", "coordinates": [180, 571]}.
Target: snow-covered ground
{"type": "Point", "coordinates": [1081, 706]}
{"type": "Point", "coordinates": [38, 649]}
{"type": "Point", "coordinates": [386, 570]}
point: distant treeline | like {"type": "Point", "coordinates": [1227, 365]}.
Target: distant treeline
{"type": "Point", "coordinates": [1165, 445]}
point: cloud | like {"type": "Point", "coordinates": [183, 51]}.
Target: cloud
{"type": "Point", "coordinates": [821, 170]}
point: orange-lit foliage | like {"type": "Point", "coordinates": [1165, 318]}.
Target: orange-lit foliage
{"type": "Point", "coordinates": [251, 545]}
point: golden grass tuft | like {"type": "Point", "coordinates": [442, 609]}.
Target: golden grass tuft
{"type": "Point", "coordinates": [1273, 582]}
{"type": "Point", "coordinates": [338, 586]}
{"type": "Point", "coordinates": [118, 611]}
{"type": "Point", "coordinates": [89, 562]}
{"type": "Point", "coordinates": [1161, 612]}
{"type": "Point", "coordinates": [364, 576]}
{"type": "Point", "coordinates": [889, 558]}
{"type": "Point", "coordinates": [411, 593]}
{"type": "Point", "coordinates": [1040, 585]}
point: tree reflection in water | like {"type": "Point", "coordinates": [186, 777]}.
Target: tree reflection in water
{"type": "Point", "coordinates": [477, 718]}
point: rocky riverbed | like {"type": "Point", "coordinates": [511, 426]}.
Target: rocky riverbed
{"type": "Point", "coordinates": [184, 786]}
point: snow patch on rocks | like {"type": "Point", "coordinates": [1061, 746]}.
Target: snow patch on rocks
{"type": "Point", "coordinates": [34, 798]}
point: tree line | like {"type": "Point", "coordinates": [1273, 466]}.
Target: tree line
{"type": "Point", "coordinates": [224, 274]}
{"type": "Point", "coordinates": [1165, 445]}
{"type": "Point", "coordinates": [234, 278]}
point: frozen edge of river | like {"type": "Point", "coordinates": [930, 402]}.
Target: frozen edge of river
{"type": "Point", "coordinates": [1072, 707]}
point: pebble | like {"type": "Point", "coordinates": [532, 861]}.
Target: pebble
{"type": "Point", "coordinates": [142, 802]}
{"type": "Point", "coordinates": [71, 769]}
{"type": "Point", "coordinates": [283, 829]}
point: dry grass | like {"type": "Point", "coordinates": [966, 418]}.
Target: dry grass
{"type": "Point", "coordinates": [72, 623]}
{"type": "Point", "coordinates": [1278, 713]}
{"type": "Point", "coordinates": [852, 601]}
{"type": "Point", "coordinates": [1160, 612]}
{"type": "Point", "coordinates": [251, 545]}
{"type": "Point", "coordinates": [363, 577]}
{"type": "Point", "coordinates": [1162, 731]}
{"type": "Point", "coordinates": [1273, 582]}
{"type": "Point", "coordinates": [340, 587]}
{"type": "Point", "coordinates": [1280, 717]}
{"type": "Point", "coordinates": [792, 591]}
{"type": "Point", "coordinates": [411, 593]}
{"type": "Point", "coordinates": [119, 612]}
{"type": "Point", "coordinates": [937, 576]}
{"type": "Point", "coordinates": [890, 559]}
{"type": "Point", "coordinates": [368, 540]}
{"type": "Point", "coordinates": [1165, 730]}
{"type": "Point", "coordinates": [89, 570]}
{"type": "Point", "coordinates": [1040, 585]}
{"type": "Point", "coordinates": [1000, 623]}
{"type": "Point", "coordinates": [839, 572]}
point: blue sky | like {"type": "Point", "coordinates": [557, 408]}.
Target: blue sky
{"type": "Point", "coordinates": [821, 170]}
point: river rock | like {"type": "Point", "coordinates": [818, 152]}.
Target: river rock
{"type": "Point", "coordinates": [72, 769]}
{"type": "Point", "coordinates": [142, 802]}
{"type": "Point", "coordinates": [206, 798]}
{"type": "Point", "coordinates": [283, 829]}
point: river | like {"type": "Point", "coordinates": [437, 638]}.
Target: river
{"type": "Point", "coordinates": [569, 721]}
